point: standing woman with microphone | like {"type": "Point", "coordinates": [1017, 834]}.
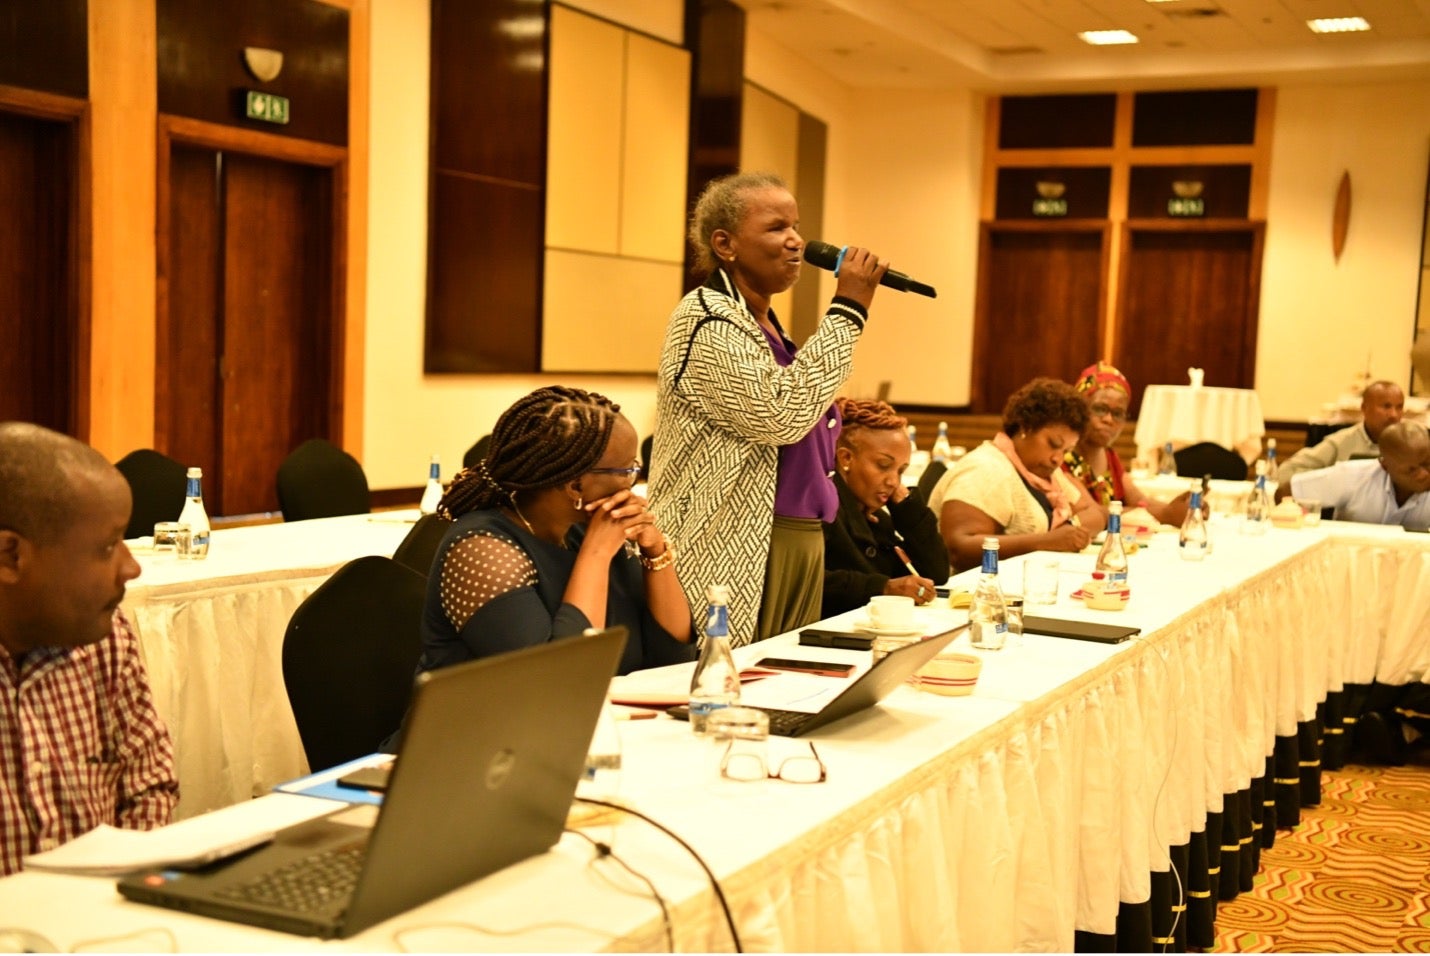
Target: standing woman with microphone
{"type": "Point", "coordinates": [745, 428]}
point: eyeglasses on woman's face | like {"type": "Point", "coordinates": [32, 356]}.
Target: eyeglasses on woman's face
{"type": "Point", "coordinates": [632, 473]}
{"type": "Point", "coordinates": [1098, 410]}
{"type": "Point", "coordinates": [743, 766]}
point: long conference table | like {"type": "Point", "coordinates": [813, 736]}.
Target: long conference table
{"type": "Point", "coordinates": [1044, 812]}
{"type": "Point", "coordinates": [212, 637]}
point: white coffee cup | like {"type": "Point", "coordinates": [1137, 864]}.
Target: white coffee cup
{"type": "Point", "coordinates": [891, 612]}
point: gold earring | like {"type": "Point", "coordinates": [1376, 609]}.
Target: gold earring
{"type": "Point", "coordinates": [579, 502]}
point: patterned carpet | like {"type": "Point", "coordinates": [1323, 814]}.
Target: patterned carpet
{"type": "Point", "coordinates": [1353, 877]}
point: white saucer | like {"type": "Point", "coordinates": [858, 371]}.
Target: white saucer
{"type": "Point", "coordinates": [868, 628]}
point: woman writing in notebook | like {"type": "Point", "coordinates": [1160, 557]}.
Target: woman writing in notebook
{"type": "Point", "coordinates": [548, 539]}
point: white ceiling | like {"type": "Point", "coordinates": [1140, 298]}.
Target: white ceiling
{"type": "Point", "coordinates": [1032, 45]}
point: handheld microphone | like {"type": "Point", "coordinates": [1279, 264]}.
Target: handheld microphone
{"type": "Point", "coordinates": [825, 256]}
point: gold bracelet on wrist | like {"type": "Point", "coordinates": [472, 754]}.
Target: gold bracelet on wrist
{"type": "Point", "coordinates": [661, 561]}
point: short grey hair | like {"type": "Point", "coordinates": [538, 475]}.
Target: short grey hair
{"type": "Point", "coordinates": [722, 205]}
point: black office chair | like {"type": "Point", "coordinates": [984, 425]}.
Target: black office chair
{"type": "Point", "coordinates": [646, 444]}
{"type": "Point", "coordinates": [1209, 458]}
{"type": "Point", "coordinates": [157, 484]}
{"type": "Point", "coordinates": [933, 471]}
{"type": "Point", "coordinates": [320, 480]}
{"type": "Point", "coordinates": [477, 452]}
{"type": "Point", "coordinates": [420, 546]}
{"type": "Point", "coordinates": [349, 655]}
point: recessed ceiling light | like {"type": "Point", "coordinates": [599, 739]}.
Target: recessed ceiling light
{"type": "Point", "coordinates": [1338, 25]}
{"type": "Point", "coordinates": [1107, 37]}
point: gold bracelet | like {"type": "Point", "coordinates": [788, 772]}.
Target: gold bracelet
{"type": "Point", "coordinates": [661, 561]}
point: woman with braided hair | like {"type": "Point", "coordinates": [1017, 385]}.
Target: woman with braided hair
{"type": "Point", "coordinates": [548, 539]}
{"type": "Point", "coordinates": [877, 515]}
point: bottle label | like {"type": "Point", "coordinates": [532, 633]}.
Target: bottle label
{"type": "Point", "coordinates": [1118, 578]}
{"type": "Point", "coordinates": [717, 621]}
{"type": "Point", "coordinates": [1114, 524]}
{"type": "Point", "coordinates": [990, 561]}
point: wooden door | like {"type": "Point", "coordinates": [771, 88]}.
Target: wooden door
{"type": "Point", "coordinates": [250, 315]}
{"type": "Point", "coordinates": [1039, 301]}
{"type": "Point", "coordinates": [1190, 297]}
{"type": "Point", "coordinates": [39, 311]}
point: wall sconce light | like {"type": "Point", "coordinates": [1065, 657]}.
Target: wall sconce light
{"type": "Point", "coordinates": [265, 65]}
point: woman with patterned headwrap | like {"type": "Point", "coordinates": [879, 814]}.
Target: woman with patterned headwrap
{"type": "Point", "coordinates": [1094, 462]}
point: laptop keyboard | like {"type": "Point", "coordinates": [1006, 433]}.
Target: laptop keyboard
{"type": "Point", "coordinates": [307, 885]}
{"type": "Point", "coordinates": [786, 723]}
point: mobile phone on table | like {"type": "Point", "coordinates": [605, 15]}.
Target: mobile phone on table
{"type": "Point", "coordinates": [819, 637]}
{"type": "Point", "coordinates": [368, 778]}
{"type": "Point", "coordinates": [822, 668]}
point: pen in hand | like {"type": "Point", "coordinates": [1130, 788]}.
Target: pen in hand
{"type": "Point", "coordinates": [904, 557]}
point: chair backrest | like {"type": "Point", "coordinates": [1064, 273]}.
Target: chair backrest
{"type": "Point", "coordinates": [477, 452]}
{"type": "Point", "coordinates": [320, 480]}
{"type": "Point", "coordinates": [420, 546]}
{"type": "Point", "coordinates": [157, 484]}
{"type": "Point", "coordinates": [933, 471]}
{"type": "Point", "coordinates": [1209, 458]}
{"type": "Point", "coordinates": [349, 657]}
{"type": "Point", "coordinates": [646, 444]}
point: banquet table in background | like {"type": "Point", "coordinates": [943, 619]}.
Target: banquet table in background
{"type": "Point", "coordinates": [211, 632]}
{"type": "Point", "coordinates": [1051, 803]}
{"type": "Point", "coordinates": [1185, 414]}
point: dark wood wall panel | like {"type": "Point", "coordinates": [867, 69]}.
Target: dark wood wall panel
{"type": "Point", "coordinates": [485, 261]}
{"type": "Point", "coordinates": [202, 75]}
{"type": "Point", "coordinates": [44, 45]}
{"type": "Point", "coordinates": [1057, 122]}
{"type": "Point", "coordinates": [488, 93]}
{"type": "Point", "coordinates": [1190, 299]}
{"type": "Point", "coordinates": [1039, 297]}
{"type": "Point", "coordinates": [715, 36]}
{"type": "Point", "coordinates": [1085, 189]}
{"type": "Point", "coordinates": [486, 201]}
{"type": "Point", "coordinates": [1225, 190]}
{"type": "Point", "coordinates": [1194, 118]}
{"type": "Point", "coordinates": [38, 305]}
{"type": "Point", "coordinates": [189, 389]}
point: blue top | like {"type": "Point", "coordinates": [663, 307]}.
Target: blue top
{"type": "Point", "coordinates": [505, 586]}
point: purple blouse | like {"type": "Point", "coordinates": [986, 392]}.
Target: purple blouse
{"type": "Point", "coordinates": [803, 488]}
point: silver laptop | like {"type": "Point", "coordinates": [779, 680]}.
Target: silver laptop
{"type": "Point", "coordinates": [491, 755]}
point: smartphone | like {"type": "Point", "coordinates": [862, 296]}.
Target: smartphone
{"type": "Point", "coordinates": [822, 668]}
{"type": "Point", "coordinates": [368, 778]}
{"type": "Point", "coordinates": [817, 637]}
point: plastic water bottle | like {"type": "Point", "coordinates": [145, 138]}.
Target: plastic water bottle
{"type": "Point", "coordinates": [989, 612]}
{"type": "Point", "coordinates": [1207, 497]}
{"type": "Point", "coordinates": [913, 440]}
{"type": "Point", "coordinates": [1168, 463]}
{"type": "Point", "coordinates": [1271, 469]}
{"type": "Point", "coordinates": [941, 450]}
{"type": "Point", "coordinates": [1258, 504]}
{"type": "Point", "coordinates": [432, 494]}
{"type": "Point", "coordinates": [195, 516]}
{"type": "Point", "coordinates": [716, 682]}
{"type": "Point", "coordinates": [1112, 559]}
{"type": "Point", "coordinates": [1194, 540]}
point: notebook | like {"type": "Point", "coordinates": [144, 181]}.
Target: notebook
{"type": "Point", "coordinates": [867, 690]}
{"type": "Point", "coordinates": [491, 755]}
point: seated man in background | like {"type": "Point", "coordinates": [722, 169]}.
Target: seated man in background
{"type": "Point", "coordinates": [80, 742]}
{"type": "Point", "coordinates": [1394, 489]}
{"type": "Point", "coordinates": [1382, 404]}
{"type": "Point", "coordinates": [879, 517]}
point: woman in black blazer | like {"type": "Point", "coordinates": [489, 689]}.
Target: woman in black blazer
{"type": "Point", "coordinates": [878, 516]}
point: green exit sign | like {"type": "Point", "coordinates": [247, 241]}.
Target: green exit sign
{"type": "Point", "coordinates": [266, 107]}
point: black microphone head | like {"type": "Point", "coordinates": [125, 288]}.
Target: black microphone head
{"type": "Point", "coordinates": [821, 254]}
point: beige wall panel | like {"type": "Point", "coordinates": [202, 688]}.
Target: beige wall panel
{"type": "Point", "coordinates": [605, 314]}
{"type": "Point", "coordinates": [769, 142]}
{"type": "Point", "coordinates": [583, 169]}
{"type": "Point", "coordinates": [657, 124]}
{"type": "Point", "coordinates": [661, 18]}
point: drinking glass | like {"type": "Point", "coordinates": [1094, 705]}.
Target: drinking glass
{"type": "Point", "coordinates": [1310, 511]}
{"type": "Point", "coordinates": [166, 536]}
{"type": "Point", "coordinates": [1040, 580]}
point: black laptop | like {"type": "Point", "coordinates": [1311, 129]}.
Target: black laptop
{"type": "Point", "coordinates": [491, 755]}
{"type": "Point", "coordinates": [867, 690]}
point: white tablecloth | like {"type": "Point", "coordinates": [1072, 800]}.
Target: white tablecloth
{"type": "Point", "coordinates": [212, 637]}
{"type": "Point", "coordinates": [1184, 415]}
{"type": "Point", "coordinates": [1002, 821]}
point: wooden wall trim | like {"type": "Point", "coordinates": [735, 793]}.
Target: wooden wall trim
{"type": "Point", "coordinates": [351, 331]}
{"type": "Point", "coordinates": [118, 162]}
{"type": "Point", "coordinates": [270, 145]}
{"type": "Point", "coordinates": [41, 105]}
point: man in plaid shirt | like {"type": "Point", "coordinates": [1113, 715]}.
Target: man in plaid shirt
{"type": "Point", "coordinates": [80, 742]}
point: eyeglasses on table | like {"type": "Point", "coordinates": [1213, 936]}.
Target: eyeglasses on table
{"type": "Point", "coordinates": [744, 766]}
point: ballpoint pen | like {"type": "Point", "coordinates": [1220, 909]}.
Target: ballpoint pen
{"type": "Point", "coordinates": [904, 557]}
